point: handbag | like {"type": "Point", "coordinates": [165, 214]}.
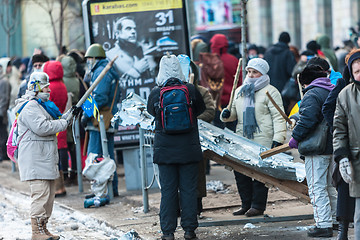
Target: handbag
{"type": "Point", "coordinates": [106, 112]}
{"type": "Point", "coordinates": [315, 142]}
{"type": "Point", "coordinates": [291, 90]}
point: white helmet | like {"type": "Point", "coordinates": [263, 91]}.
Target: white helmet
{"type": "Point", "coordinates": [38, 81]}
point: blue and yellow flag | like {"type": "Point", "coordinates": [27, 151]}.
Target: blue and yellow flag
{"type": "Point", "coordinates": [90, 108]}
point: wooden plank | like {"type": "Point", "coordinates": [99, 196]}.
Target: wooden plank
{"type": "Point", "coordinates": [278, 108]}
{"type": "Point", "coordinates": [294, 188]}
{"type": "Point", "coordinates": [275, 150]}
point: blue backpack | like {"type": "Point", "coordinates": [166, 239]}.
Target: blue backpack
{"type": "Point", "coordinates": [175, 107]}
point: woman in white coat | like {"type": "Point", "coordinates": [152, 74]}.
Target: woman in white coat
{"type": "Point", "coordinates": [259, 121]}
{"type": "Point", "coordinates": [38, 122]}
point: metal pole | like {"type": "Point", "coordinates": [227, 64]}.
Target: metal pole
{"type": "Point", "coordinates": [143, 171]}
{"type": "Point", "coordinates": [243, 36]}
{"type": "Point", "coordinates": [78, 155]}
{"type": "Point", "coordinates": [104, 144]}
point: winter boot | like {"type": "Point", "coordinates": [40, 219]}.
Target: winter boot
{"type": "Point", "coordinates": [343, 230]}
{"type": "Point", "coordinates": [38, 232]}
{"type": "Point", "coordinates": [54, 237]}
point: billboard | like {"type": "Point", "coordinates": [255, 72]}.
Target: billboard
{"type": "Point", "coordinates": [214, 14]}
{"type": "Point", "coordinates": [139, 32]}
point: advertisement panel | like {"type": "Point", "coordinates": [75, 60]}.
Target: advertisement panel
{"type": "Point", "coordinates": [139, 32]}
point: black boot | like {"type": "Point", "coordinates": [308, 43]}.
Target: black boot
{"type": "Point", "coordinates": [343, 230]}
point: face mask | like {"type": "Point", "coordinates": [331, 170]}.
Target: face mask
{"type": "Point", "coordinates": [253, 56]}
{"type": "Point", "coordinates": [37, 70]}
{"type": "Point", "coordinates": [44, 96]}
{"type": "Point", "coordinates": [90, 63]}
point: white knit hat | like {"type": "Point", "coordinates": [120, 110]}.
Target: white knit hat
{"type": "Point", "coordinates": [38, 81]}
{"type": "Point", "coordinates": [258, 64]}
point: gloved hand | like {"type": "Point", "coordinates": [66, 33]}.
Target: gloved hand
{"type": "Point", "coordinates": [292, 125]}
{"type": "Point", "coordinates": [275, 144]}
{"type": "Point", "coordinates": [84, 120]}
{"type": "Point", "coordinates": [76, 110]}
{"type": "Point", "coordinates": [225, 113]}
{"type": "Point", "coordinates": [293, 143]}
{"type": "Point", "coordinates": [346, 170]}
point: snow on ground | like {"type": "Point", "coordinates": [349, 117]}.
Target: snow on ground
{"type": "Point", "coordinates": [69, 224]}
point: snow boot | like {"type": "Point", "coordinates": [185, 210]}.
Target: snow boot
{"type": "Point", "coordinates": [38, 232]}
{"type": "Point", "coordinates": [54, 237]}
{"type": "Point", "coordinates": [343, 230]}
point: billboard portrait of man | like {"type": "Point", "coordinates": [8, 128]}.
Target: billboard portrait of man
{"type": "Point", "coordinates": [131, 62]}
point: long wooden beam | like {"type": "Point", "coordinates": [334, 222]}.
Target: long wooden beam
{"type": "Point", "coordinates": [297, 189]}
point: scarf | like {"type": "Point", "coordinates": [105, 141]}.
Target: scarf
{"type": "Point", "coordinates": [250, 86]}
{"type": "Point", "coordinates": [50, 107]}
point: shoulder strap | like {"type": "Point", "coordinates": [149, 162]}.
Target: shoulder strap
{"type": "Point", "coordinates": [112, 103]}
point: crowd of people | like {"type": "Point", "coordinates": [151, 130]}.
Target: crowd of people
{"type": "Point", "coordinates": [323, 84]}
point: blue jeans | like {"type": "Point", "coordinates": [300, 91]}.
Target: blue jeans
{"type": "Point", "coordinates": [96, 147]}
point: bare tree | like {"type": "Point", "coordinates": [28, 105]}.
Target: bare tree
{"type": "Point", "coordinates": [57, 24]}
{"type": "Point", "coordinates": [9, 18]}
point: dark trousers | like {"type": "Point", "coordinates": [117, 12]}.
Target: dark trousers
{"type": "Point", "coordinates": [63, 160]}
{"type": "Point", "coordinates": [3, 139]}
{"type": "Point", "coordinates": [253, 193]}
{"type": "Point", "coordinates": [178, 181]}
{"type": "Point", "coordinates": [345, 207]}
{"type": "Point", "coordinates": [218, 123]}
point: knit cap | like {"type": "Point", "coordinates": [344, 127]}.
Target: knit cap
{"type": "Point", "coordinates": [258, 64]}
{"type": "Point", "coordinates": [38, 81]}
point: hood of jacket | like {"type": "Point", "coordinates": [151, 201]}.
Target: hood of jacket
{"type": "Point", "coordinates": [324, 41]}
{"type": "Point", "coordinates": [219, 44]}
{"type": "Point", "coordinates": [322, 82]}
{"type": "Point", "coordinates": [278, 48]}
{"type": "Point", "coordinates": [69, 66]}
{"type": "Point", "coordinates": [169, 67]}
{"type": "Point", "coordinates": [54, 69]}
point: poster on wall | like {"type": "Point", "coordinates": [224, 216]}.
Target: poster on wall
{"type": "Point", "coordinates": [139, 32]}
{"type": "Point", "coordinates": [213, 14]}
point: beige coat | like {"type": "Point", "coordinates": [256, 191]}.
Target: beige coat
{"type": "Point", "coordinates": [346, 139]}
{"type": "Point", "coordinates": [272, 125]}
{"type": "Point", "coordinates": [37, 152]}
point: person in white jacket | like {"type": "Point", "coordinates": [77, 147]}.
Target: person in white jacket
{"type": "Point", "coordinates": [259, 121]}
{"type": "Point", "coordinates": [38, 122]}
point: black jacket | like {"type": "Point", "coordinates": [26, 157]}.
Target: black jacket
{"type": "Point", "coordinates": [311, 115]}
{"type": "Point", "coordinates": [328, 108]}
{"type": "Point", "coordinates": [176, 148]}
{"type": "Point", "coordinates": [282, 62]}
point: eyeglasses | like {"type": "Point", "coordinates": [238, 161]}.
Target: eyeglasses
{"type": "Point", "coordinates": [37, 65]}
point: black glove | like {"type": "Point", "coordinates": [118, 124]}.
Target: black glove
{"type": "Point", "coordinates": [275, 144]}
{"type": "Point", "coordinates": [76, 111]}
{"type": "Point", "coordinates": [84, 120]}
{"type": "Point", "coordinates": [225, 113]}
